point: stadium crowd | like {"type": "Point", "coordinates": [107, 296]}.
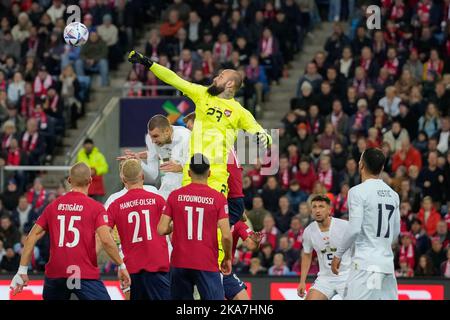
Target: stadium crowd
{"type": "Point", "coordinates": [44, 86]}
{"type": "Point", "coordinates": [387, 88]}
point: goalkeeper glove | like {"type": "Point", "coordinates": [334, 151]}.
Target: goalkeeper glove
{"type": "Point", "coordinates": [264, 140]}
{"type": "Point", "coordinates": [136, 57]}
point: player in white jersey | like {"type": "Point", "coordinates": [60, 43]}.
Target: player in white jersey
{"type": "Point", "coordinates": [374, 224]}
{"type": "Point", "coordinates": [323, 236]}
{"type": "Point", "coordinates": [167, 152]}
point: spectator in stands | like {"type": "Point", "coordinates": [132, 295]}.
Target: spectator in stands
{"type": "Point", "coordinates": [409, 195]}
{"type": "Point", "coordinates": [284, 215]}
{"type": "Point", "coordinates": [109, 33]}
{"type": "Point", "coordinates": [256, 75]}
{"type": "Point", "coordinates": [42, 82]}
{"type": "Point", "coordinates": [429, 122]}
{"type": "Point", "coordinates": [306, 175]}
{"type": "Point", "coordinates": [172, 25]}
{"type": "Point", "coordinates": [187, 65]}
{"type": "Point", "coordinates": [340, 204]}
{"type": "Point", "coordinates": [442, 98]}
{"type": "Point", "coordinates": [428, 216]}
{"type": "Point", "coordinates": [266, 255]}
{"type": "Point", "coordinates": [92, 156]}
{"type": "Point", "coordinates": [338, 157]}
{"type": "Point", "coordinates": [431, 179]}
{"type": "Point", "coordinates": [10, 261]}
{"type": "Point", "coordinates": [443, 234]}
{"type": "Point", "coordinates": [391, 102]}
{"type": "Point", "coordinates": [445, 266]}
{"type": "Point", "coordinates": [270, 232]}
{"type": "Point", "coordinates": [395, 136]}
{"type": "Point", "coordinates": [9, 234]}
{"type": "Point", "coordinates": [338, 118]}
{"type": "Point", "coordinates": [279, 267]}
{"type": "Point", "coordinates": [326, 174]}
{"type": "Point", "coordinates": [443, 135]}
{"type": "Point", "coordinates": [425, 267]}
{"type": "Point", "coordinates": [21, 30]}
{"type": "Point", "coordinates": [37, 196]}
{"type": "Point", "coordinates": [70, 93]}
{"type": "Point", "coordinates": [33, 143]}
{"type": "Point", "coordinates": [336, 43]}
{"type": "Point", "coordinates": [290, 254]}
{"type": "Point", "coordinates": [295, 195]}
{"type": "Point", "coordinates": [406, 156]}
{"type": "Point", "coordinates": [256, 268]}
{"type": "Point", "coordinates": [10, 197]}
{"type": "Point", "coordinates": [350, 175]}
{"type": "Point", "coordinates": [312, 76]}
{"type": "Point", "coordinates": [304, 214]}
{"type": "Point", "coordinates": [437, 254]}
{"type": "Point", "coordinates": [133, 86]}
{"type": "Point", "coordinates": [407, 250]}
{"type": "Point", "coordinates": [24, 216]}
{"type": "Point", "coordinates": [329, 138]}
{"type": "Point", "coordinates": [9, 47]}
{"type": "Point", "coordinates": [271, 193]}
{"type": "Point", "coordinates": [57, 10]}
{"type": "Point", "coordinates": [93, 58]}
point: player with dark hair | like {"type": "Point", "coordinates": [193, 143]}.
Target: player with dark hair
{"type": "Point", "coordinates": [374, 224]}
{"type": "Point", "coordinates": [72, 222]}
{"type": "Point", "coordinates": [167, 153]}
{"type": "Point", "coordinates": [323, 236]}
{"type": "Point", "coordinates": [219, 117]}
{"type": "Point", "coordinates": [136, 215]}
{"type": "Point", "coordinates": [196, 211]}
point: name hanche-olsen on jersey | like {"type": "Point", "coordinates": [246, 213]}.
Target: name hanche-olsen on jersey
{"type": "Point", "coordinates": [136, 215]}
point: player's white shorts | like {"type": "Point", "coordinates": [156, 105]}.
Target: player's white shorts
{"type": "Point", "coordinates": [330, 286]}
{"type": "Point", "coordinates": [370, 285]}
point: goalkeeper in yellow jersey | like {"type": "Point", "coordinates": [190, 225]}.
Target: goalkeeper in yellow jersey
{"type": "Point", "coordinates": [219, 117]}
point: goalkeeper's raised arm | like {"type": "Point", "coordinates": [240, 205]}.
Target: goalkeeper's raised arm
{"type": "Point", "coordinates": [165, 74]}
{"type": "Point", "coordinates": [218, 117]}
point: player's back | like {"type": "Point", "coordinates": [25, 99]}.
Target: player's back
{"type": "Point", "coordinates": [136, 215]}
{"type": "Point", "coordinates": [71, 221]}
{"type": "Point", "coordinates": [195, 210]}
{"type": "Point", "coordinates": [380, 220]}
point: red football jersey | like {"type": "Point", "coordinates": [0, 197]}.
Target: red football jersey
{"type": "Point", "coordinates": [239, 230]}
{"type": "Point", "coordinates": [195, 210]}
{"type": "Point", "coordinates": [71, 221]}
{"type": "Point", "coordinates": [136, 215]}
{"type": "Point", "coordinates": [235, 177]}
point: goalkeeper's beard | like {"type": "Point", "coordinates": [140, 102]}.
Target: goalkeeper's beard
{"type": "Point", "coordinates": [215, 90]}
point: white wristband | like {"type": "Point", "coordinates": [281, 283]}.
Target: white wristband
{"type": "Point", "coordinates": [22, 270]}
{"type": "Point", "coordinates": [122, 266]}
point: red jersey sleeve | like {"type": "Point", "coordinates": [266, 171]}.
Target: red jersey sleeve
{"type": "Point", "coordinates": [110, 213]}
{"type": "Point", "coordinates": [242, 230]}
{"type": "Point", "coordinates": [223, 207]}
{"type": "Point", "coordinates": [101, 217]}
{"type": "Point", "coordinates": [43, 219]}
{"type": "Point", "coordinates": [167, 209]}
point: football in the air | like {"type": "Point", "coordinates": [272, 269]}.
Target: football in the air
{"type": "Point", "coordinates": [76, 34]}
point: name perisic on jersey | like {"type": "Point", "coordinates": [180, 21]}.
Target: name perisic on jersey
{"type": "Point", "coordinates": [70, 207]}
{"type": "Point", "coordinates": [384, 193]}
{"type": "Point", "coordinates": [198, 199]}
{"type": "Point", "coordinates": [137, 202]}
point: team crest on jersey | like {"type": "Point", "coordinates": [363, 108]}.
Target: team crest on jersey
{"type": "Point", "coordinates": [227, 113]}
{"type": "Point", "coordinates": [105, 218]}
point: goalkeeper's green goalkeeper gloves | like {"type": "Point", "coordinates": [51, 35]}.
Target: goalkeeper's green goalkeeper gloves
{"type": "Point", "coordinates": [264, 140]}
{"type": "Point", "coordinates": [136, 57]}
